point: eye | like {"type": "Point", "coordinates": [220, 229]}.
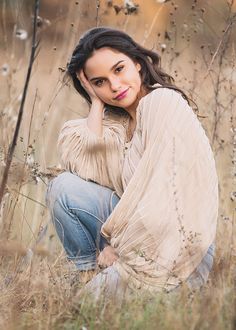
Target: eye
{"type": "Point", "coordinates": [119, 68]}
{"type": "Point", "coordinates": [99, 82]}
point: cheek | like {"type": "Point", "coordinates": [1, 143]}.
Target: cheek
{"type": "Point", "coordinates": [138, 80]}
{"type": "Point", "coordinates": [101, 94]}
{"type": "Point", "coordinates": [136, 75]}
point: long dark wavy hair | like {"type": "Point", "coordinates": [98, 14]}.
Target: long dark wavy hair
{"type": "Point", "coordinates": [99, 37]}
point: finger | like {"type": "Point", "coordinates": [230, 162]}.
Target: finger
{"type": "Point", "coordinates": [80, 75]}
{"type": "Point", "coordinates": [105, 262]}
{"type": "Point", "coordinates": [85, 83]}
{"type": "Point", "coordinates": [83, 77]}
{"type": "Point", "coordinates": [100, 259]}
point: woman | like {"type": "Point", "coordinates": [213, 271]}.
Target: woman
{"type": "Point", "coordinates": [140, 185]}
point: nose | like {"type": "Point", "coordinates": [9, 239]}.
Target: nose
{"type": "Point", "coordinates": [115, 84]}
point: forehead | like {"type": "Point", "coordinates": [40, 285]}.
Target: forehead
{"type": "Point", "coordinates": [102, 60]}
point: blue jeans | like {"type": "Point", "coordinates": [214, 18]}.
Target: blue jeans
{"type": "Point", "coordinates": [78, 210]}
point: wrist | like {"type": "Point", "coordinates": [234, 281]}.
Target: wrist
{"type": "Point", "coordinates": [96, 102]}
{"type": "Point", "coordinates": [97, 110]}
{"type": "Point", "coordinates": [106, 246]}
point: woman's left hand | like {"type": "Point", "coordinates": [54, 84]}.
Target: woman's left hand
{"type": "Point", "coordinates": [107, 257]}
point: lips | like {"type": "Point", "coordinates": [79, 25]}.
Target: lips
{"type": "Point", "coordinates": [122, 95]}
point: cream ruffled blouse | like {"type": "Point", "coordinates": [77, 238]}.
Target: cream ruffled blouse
{"type": "Point", "coordinates": [167, 182]}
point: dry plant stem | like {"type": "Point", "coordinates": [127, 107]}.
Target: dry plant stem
{"type": "Point", "coordinates": [30, 125]}
{"type": "Point", "coordinates": [229, 27]}
{"type": "Point", "coordinates": [61, 86]}
{"type": "Point", "coordinates": [27, 197]}
{"type": "Point", "coordinates": [28, 142]}
{"type": "Point", "coordinates": [97, 12]}
{"type": "Point", "coordinates": [152, 25]}
{"type": "Point", "coordinates": [218, 113]}
{"type": "Point", "coordinates": [216, 81]}
{"type": "Point", "coordinates": [19, 119]}
{"type": "Point", "coordinates": [3, 21]}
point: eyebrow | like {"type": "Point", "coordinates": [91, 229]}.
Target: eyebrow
{"type": "Point", "coordinates": [95, 78]}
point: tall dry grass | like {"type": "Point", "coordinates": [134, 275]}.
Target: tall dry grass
{"type": "Point", "coordinates": [197, 43]}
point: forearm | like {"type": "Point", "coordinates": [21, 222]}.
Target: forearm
{"type": "Point", "coordinates": [95, 118]}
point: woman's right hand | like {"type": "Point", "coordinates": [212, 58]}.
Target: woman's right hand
{"type": "Point", "coordinates": [89, 89]}
{"type": "Point", "coordinates": [107, 257]}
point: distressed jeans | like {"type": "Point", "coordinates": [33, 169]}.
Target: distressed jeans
{"type": "Point", "coordinates": [79, 208]}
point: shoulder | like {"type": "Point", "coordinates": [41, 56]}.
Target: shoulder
{"type": "Point", "coordinates": [73, 124]}
{"type": "Point", "coordinates": [162, 93]}
{"type": "Point", "coordinates": [162, 101]}
{"type": "Point", "coordinates": [164, 107]}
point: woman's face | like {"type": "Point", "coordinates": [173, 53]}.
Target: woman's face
{"type": "Point", "coordinates": [114, 77]}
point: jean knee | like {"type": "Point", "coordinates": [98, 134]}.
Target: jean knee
{"type": "Point", "coordinates": [58, 187]}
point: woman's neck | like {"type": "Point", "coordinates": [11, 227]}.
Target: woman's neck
{"type": "Point", "coordinates": [132, 109]}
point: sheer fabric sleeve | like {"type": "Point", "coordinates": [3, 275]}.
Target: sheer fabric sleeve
{"type": "Point", "coordinates": [166, 219]}
{"type": "Point", "coordinates": [93, 158]}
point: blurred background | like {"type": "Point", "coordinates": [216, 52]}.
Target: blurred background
{"type": "Point", "coordinates": [196, 40]}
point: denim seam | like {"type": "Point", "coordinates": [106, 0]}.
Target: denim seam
{"type": "Point", "coordinates": [92, 246]}
{"type": "Point", "coordinates": [76, 218]}
{"type": "Point", "coordinates": [77, 223]}
{"type": "Point", "coordinates": [80, 258]}
{"type": "Point", "coordinates": [79, 209]}
{"type": "Point", "coordinates": [54, 218]}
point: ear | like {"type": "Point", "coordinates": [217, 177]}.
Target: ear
{"type": "Point", "coordinates": [138, 66]}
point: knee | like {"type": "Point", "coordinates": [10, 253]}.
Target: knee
{"type": "Point", "coordinates": [58, 189]}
